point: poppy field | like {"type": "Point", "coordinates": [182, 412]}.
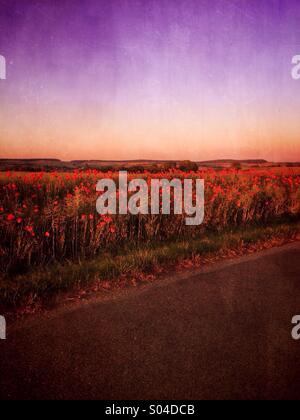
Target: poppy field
{"type": "Point", "coordinates": [52, 217]}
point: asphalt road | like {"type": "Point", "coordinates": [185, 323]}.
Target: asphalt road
{"type": "Point", "coordinates": [220, 334]}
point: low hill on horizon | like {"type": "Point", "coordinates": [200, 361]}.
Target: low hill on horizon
{"type": "Point", "coordinates": [49, 164]}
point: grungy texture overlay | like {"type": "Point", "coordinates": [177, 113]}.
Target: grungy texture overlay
{"type": "Point", "coordinates": [124, 79]}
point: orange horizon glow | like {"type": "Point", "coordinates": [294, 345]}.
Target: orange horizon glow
{"type": "Point", "coordinates": [72, 138]}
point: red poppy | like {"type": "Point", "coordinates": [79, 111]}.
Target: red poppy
{"type": "Point", "coordinates": [112, 229]}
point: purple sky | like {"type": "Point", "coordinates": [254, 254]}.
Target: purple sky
{"type": "Point", "coordinates": [117, 79]}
